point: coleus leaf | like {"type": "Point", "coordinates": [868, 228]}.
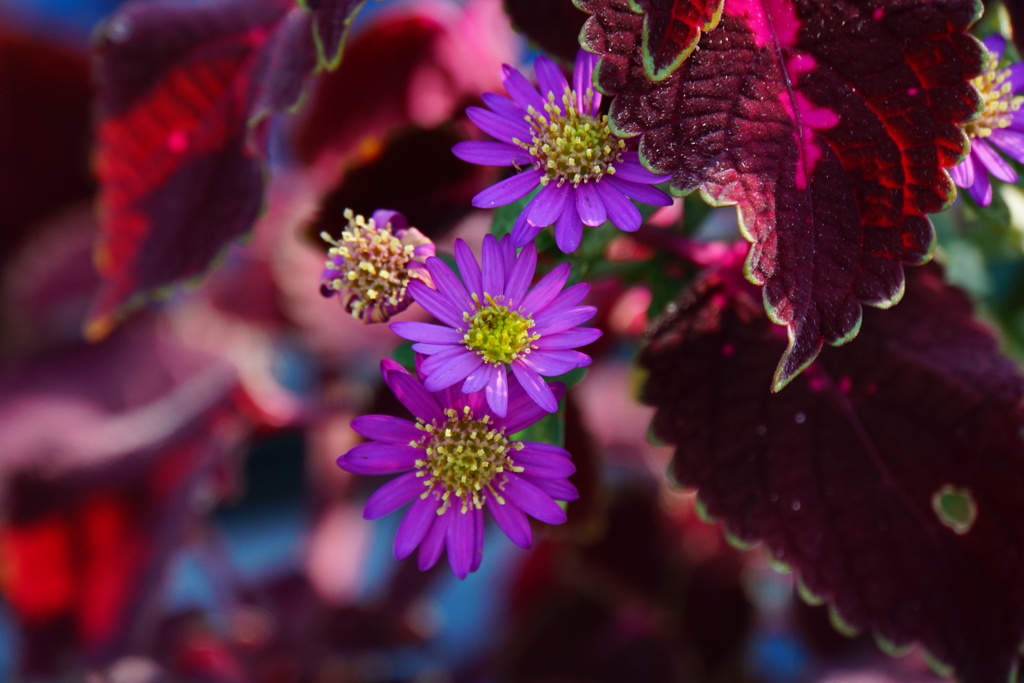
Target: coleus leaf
{"type": "Point", "coordinates": [890, 475]}
{"type": "Point", "coordinates": [671, 31]}
{"type": "Point", "coordinates": [185, 91]}
{"type": "Point", "coordinates": [331, 21]}
{"type": "Point", "coordinates": [829, 125]}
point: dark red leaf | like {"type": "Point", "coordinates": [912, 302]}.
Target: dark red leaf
{"type": "Point", "coordinates": [331, 21]}
{"type": "Point", "coordinates": [828, 124]}
{"type": "Point", "coordinates": [672, 29]}
{"type": "Point", "coordinates": [890, 475]}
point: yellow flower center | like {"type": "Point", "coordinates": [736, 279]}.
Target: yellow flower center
{"type": "Point", "coordinates": [465, 457]}
{"type": "Point", "coordinates": [999, 103]}
{"type": "Point", "coordinates": [571, 146]}
{"type": "Point", "coordinates": [372, 264]}
{"type": "Point", "coordinates": [496, 333]}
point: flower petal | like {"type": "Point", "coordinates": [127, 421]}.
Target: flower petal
{"type": "Point", "coordinates": [511, 520]}
{"type": "Point", "coordinates": [522, 232]}
{"type": "Point", "coordinates": [558, 489]}
{"type": "Point", "coordinates": [433, 541]}
{"type": "Point", "coordinates": [523, 411]}
{"type": "Point", "coordinates": [981, 188]}
{"type": "Point", "coordinates": [551, 80]}
{"type": "Point", "coordinates": [478, 538]}
{"type": "Point", "coordinates": [963, 173]}
{"type": "Point", "coordinates": [556, 320]}
{"type": "Point", "coordinates": [569, 229]}
{"type": "Point", "coordinates": [410, 392]}
{"type": "Point", "coordinates": [497, 126]}
{"type": "Point", "coordinates": [425, 332]}
{"type": "Point", "coordinates": [393, 495]}
{"type": "Point", "coordinates": [521, 90]}
{"type": "Point", "coordinates": [508, 190]}
{"type": "Point", "coordinates": [532, 500]}
{"type": "Point", "coordinates": [569, 339]}
{"type": "Point", "coordinates": [583, 80]}
{"type": "Point", "coordinates": [492, 266]}
{"type": "Point", "coordinates": [1009, 141]}
{"type": "Point", "coordinates": [460, 540]}
{"type": "Point", "coordinates": [521, 276]}
{"type": "Point", "coordinates": [503, 106]}
{"type": "Point", "coordinates": [379, 458]}
{"type": "Point", "coordinates": [448, 284]}
{"type": "Point", "coordinates": [414, 526]}
{"type": "Point", "coordinates": [1016, 78]}
{"type": "Point", "coordinates": [547, 288]}
{"type": "Point", "coordinates": [638, 191]}
{"type": "Point", "coordinates": [621, 212]}
{"type": "Point", "coordinates": [468, 268]}
{"type": "Point", "coordinates": [996, 44]}
{"type": "Point", "coordinates": [589, 205]}
{"type": "Point", "coordinates": [631, 169]}
{"type": "Point", "coordinates": [491, 153]}
{"type": "Point", "coordinates": [554, 363]}
{"type": "Point", "coordinates": [544, 460]}
{"type": "Point", "coordinates": [545, 208]}
{"type": "Point", "coordinates": [994, 163]}
{"type": "Point", "coordinates": [496, 392]}
{"type": "Point", "coordinates": [386, 429]}
{"type": "Point", "coordinates": [535, 386]}
{"type": "Point", "coordinates": [479, 378]}
{"type": "Point", "coordinates": [453, 370]}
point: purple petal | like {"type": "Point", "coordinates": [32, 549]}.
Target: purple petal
{"type": "Point", "coordinates": [553, 320]}
{"type": "Point", "coordinates": [393, 495]}
{"type": "Point", "coordinates": [431, 349]}
{"type": "Point", "coordinates": [386, 429]}
{"type": "Point", "coordinates": [433, 542]}
{"type": "Point", "coordinates": [491, 153]}
{"type": "Point", "coordinates": [554, 363]}
{"type": "Point", "coordinates": [521, 276]}
{"type": "Point", "coordinates": [589, 205]}
{"type": "Point", "coordinates": [436, 304]}
{"type": "Point", "coordinates": [567, 298]}
{"type": "Point", "coordinates": [478, 538]}
{"type": "Point", "coordinates": [497, 392]}
{"type": "Point", "coordinates": [1009, 141]}
{"type": "Point", "coordinates": [583, 80]}
{"type": "Point", "coordinates": [468, 268]}
{"type": "Point", "coordinates": [569, 339]}
{"type": "Point", "coordinates": [408, 390]}
{"type": "Point", "coordinates": [480, 378]}
{"type": "Point", "coordinates": [631, 169]}
{"type": "Point", "coordinates": [1016, 78]}
{"type": "Point", "coordinates": [379, 458]}
{"type": "Point", "coordinates": [981, 188]}
{"type": "Point", "coordinates": [497, 126]}
{"type": "Point", "coordinates": [994, 163]}
{"type": "Point", "coordinates": [535, 386]}
{"type": "Point", "coordinates": [544, 460]}
{"type": "Point", "coordinates": [621, 212]}
{"type": "Point", "coordinates": [532, 500]}
{"type": "Point", "coordinates": [448, 284]}
{"type": "Point", "coordinates": [520, 89]}
{"type": "Point", "coordinates": [550, 79]}
{"type": "Point", "coordinates": [508, 190]}
{"type": "Point", "coordinates": [426, 332]}
{"type": "Point", "coordinates": [511, 520]}
{"type": "Point", "coordinates": [522, 232]}
{"type": "Point", "coordinates": [523, 411]}
{"type": "Point", "coordinates": [638, 191]}
{"type": "Point", "coordinates": [547, 205]}
{"type": "Point", "coordinates": [492, 267]}
{"type": "Point", "coordinates": [558, 489]}
{"type": "Point", "coordinates": [460, 540]}
{"type": "Point", "coordinates": [452, 371]}
{"type": "Point", "coordinates": [503, 106]}
{"type": "Point", "coordinates": [963, 173]}
{"type": "Point", "coordinates": [414, 526]}
{"type": "Point", "coordinates": [569, 229]}
{"type": "Point", "coordinates": [995, 44]}
{"type": "Point", "coordinates": [547, 288]}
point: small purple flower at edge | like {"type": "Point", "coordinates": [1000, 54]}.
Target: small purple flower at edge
{"type": "Point", "coordinates": [495, 322]}
{"type": "Point", "coordinates": [371, 266]}
{"type": "Point", "coordinates": [1000, 125]}
{"type": "Point", "coordinates": [456, 459]}
{"type": "Point", "coordinates": [585, 172]}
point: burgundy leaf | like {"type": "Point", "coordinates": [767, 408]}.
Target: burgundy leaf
{"type": "Point", "coordinates": [890, 475]}
{"type": "Point", "coordinates": [331, 20]}
{"type": "Point", "coordinates": [671, 31]}
{"type": "Point", "coordinates": [829, 124]}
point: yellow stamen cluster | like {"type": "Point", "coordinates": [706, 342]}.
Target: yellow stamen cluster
{"type": "Point", "coordinates": [497, 334]}
{"type": "Point", "coordinates": [465, 457]}
{"type": "Point", "coordinates": [373, 267]}
{"type": "Point", "coordinates": [571, 146]}
{"type": "Point", "coordinates": [998, 100]}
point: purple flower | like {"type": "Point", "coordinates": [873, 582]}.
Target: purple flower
{"type": "Point", "coordinates": [371, 266]}
{"type": "Point", "coordinates": [584, 170]}
{"type": "Point", "coordinates": [456, 459]}
{"type": "Point", "coordinates": [1000, 126]}
{"type": "Point", "coordinates": [495, 321]}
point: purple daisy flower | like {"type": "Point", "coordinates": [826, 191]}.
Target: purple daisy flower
{"type": "Point", "coordinates": [456, 459]}
{"type": "Point", "coordinates": [584, 170]}
{"type": "Point", "coordinates": [371, 266]}
{"type": "Point", "coordinates": [495, 321]}
{"type": "Point", "coordinates": [1000, 126]}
